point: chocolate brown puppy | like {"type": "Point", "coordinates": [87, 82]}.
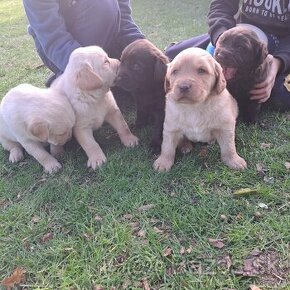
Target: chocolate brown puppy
{"type": "Point", "coordinates": [243, 58]}
{"type": "Point", "coordinates": [142, 73]}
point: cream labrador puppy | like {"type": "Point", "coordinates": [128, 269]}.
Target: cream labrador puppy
{"type": "Point", "coordinates": [86, 81]}
{"type": "Point", "coordinates": [31, 117]}
{"type": "Point", "coordinates": [198, 107]}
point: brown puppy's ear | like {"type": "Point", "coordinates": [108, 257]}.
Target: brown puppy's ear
{"type": "Point", "coordinates": [261, 51]}
{"type": "Point", "coordinates": [221, 83]}
{"type": "Point", "coordinates": [160, 69]}
{"type": "Point", "coordinates": [87, 79]}
{"type": "Point", "coordinates": [262, 70]}
{"type": "Point", "coordinates": [39, 129]}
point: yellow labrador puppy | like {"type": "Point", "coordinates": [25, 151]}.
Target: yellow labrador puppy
{"type": "Point", "coordinates": [31, 117]}
{"type": "Point", "coordinates": [86, 81]}
{"type": "Point", "coordinates": [198, 107]}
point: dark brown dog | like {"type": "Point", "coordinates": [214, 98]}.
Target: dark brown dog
{"type": "Point", "coordinates": [142, 73]}
{"type": "Point", "coordinates": [243, 59]}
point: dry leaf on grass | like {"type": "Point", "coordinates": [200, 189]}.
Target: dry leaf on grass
{"type": "Point", "coordinates": [261, 168]}
{"type": "Point", "coordinates": [203, 152]}
{"type": "Point", "coordinates": [157, 230]}
{"type": "Point", "coordinates": [189, 250]}
{"type": "Point", "coordinates": [265, 145]}
{"type": "Point", "coordinates": [127, 216]}
{"type": "Point", "coordinates": [17, 277]}
{"type": "Point", "coordinates": [141, 234]}
{"type": "Point", "coordinates": [245, 192]}
{"type": "Point", "coordinates": [145, 207]}
{"type": "Point", "coordinates": [287, 83]}
{"type": "Point", "coordinates": [36, 219]}
{"type": "Point", "coordinates": [167, 252]}
{"type": "Point", "coordinates": [225, 262]}
{"type": "Point", "coordinates": [98, 287]}
{"type": "Point", "coordinates": [182, 251]}
{"type": "Point", "coordinates": [47, 237]}
{"type": "Point", "coordinates": [98, 218]}
{"type": "Point", "coordinates": [216, 243]}
{"type": "Point", "coordinates": [287, 165]}
{"type": "Point", "coordinates": [268, 266]}
{"type": "Point", "coordinates": [121, 259]}
{"type": "Point", "coordinates": [145, 284]}
{"type": "Point", "coordinates": [135, 226]}
{"type": "Point", "coordinates": [223, 217]}
{"type": "Point", "coordinates": [254, 287]}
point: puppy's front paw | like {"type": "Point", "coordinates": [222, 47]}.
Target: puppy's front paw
{"type": "Point", "coordinates": [130, 140]}
{"type": "Point", "coordinates": [96, 161]}
{"type": "Point", "coordinates": [162, 164]}
{"type": "Point", "coordinates": [236, 162]}
{"type": "Point", "coordinates": [52, 166]}
{"type": "Point", "coordinates": [16, 154]}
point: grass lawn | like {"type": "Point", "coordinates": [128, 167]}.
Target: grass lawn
{"type": "Point", "coordinates": [124, 226]}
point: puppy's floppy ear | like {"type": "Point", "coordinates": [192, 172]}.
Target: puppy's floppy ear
{"type": "Point", "coordinates": [160, 69]}
{"type": "Point", "coordinates": [261, 51]}
{"type": "Point", "coordinates": [167, 83]}
{"type": "Point", "coordinates": [220, 83]}
{"type": "Point", "coordinates": [87, 79]}
{"type": "Point", "coordinates": [262, 70]}
{"type": "Point", "coordinates": [39, 129]}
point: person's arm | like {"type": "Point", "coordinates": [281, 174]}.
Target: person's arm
{"type": "Point", "coordinates": [262, 91]}
{"type": "Point", "coordinates": [221, 17]}
{"type": "Point", "coordinates": [280, 64]}
{"type": "Point", "coordinates": [129, 31]}
{"type": "Point", "coordinates": [49, 27]}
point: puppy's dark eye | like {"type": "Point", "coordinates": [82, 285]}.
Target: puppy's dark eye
{"type": "Point", "coordinates": [106, 62]}
{"type": "Point", "coordinates": [136, 67]}
{"type": "Point", "coordinates": [240, 48]}
{"type": "Point", "coordinates": [174, 72]}
{"type": "Point", "coordinates": [201, 71]}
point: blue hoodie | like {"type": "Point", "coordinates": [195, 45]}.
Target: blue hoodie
{"type": "Point", "coordinates": [60, 26]}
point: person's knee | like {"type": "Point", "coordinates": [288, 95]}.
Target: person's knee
{"type": "Point", "coordinates": [201, 41]}
{"type": "Point", "coordinates": [280, 96]}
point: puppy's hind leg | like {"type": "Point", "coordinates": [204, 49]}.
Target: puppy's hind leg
{"type": "Point", "coordinates": [185, 146]}
{"type": "Point", "coordinates": [15, 149]}
{"type": "Point", "coordinates": [56, 150]}
{"type": "Point", "coordinates": [117, 121]}
{"type": "Point", "coordinates": [229, 155]}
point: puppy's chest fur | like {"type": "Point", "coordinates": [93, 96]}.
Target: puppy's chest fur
{"type": "Point", "coordinates": [190, 123]}
{"type": "Point", "coordinates": [91, 110]}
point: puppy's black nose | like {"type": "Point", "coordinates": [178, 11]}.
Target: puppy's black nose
{"type": "Point", "coordinates": [184, 88]}
{"type": "Point", "coordinates": [118, 78]}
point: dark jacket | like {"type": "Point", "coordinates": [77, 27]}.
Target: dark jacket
{"type": "Point", "coordinates": [63, 25]}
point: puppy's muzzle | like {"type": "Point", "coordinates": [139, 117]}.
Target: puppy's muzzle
{"type": "Point", "coordinates": [184, 88]}
{"type": "Point", "coordinates": [121, 79]}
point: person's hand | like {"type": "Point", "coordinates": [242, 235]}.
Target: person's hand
{"type": "Point", "coordinates": [262, 91]}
